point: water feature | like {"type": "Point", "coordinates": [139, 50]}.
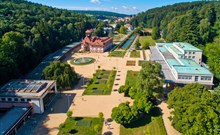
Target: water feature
{"type": "Point", "coordinates": [128, 42]}
{"type": "Point", "coordinates": [83, 61]}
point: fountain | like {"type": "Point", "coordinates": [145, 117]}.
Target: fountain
{"type": "Point", "coordinates": [83, 61]}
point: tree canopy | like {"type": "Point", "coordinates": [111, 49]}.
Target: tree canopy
{"type": "Point", "coordinates": [196, 110]}
{"type": "Point", "coordinates": [29, 31]}
{"type": "Point", "coordinates": [150, 79]}
{"type": "Point", "coordinates": [62, 73]}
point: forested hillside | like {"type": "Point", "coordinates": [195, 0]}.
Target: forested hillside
{"type": "Point", "coordinates": [101, 14]}
{"type": "Point", "coordinates": [197, 23]}
{"type": "Point", "coordinates": [30, 31]}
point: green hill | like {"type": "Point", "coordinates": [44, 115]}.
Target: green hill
{"type": "Point", "coordinates": [30, 31]}
{"type": "Point", "coordinates": [197, 23]}
{"type": "Point", "coordinates": [101, 14]}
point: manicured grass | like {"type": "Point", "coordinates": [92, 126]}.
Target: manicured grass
{"type": "Point", "coordinates": [101, 84]}
{"type": "Point", "coordinates": [80, 126]}
{"type": "Point", "coordinates": [140, 62]}
{"type": "Point", "coordinates": [117, 37]}
{"type": "Point", "coordinates": [151, 124]}
{"type": "Point", "coordinates": [131, 78]}
{"type": "Point", "coordinates": [135, 54]}
{"type": "Point", "coordinates": [117, 54]}
{"type": "Point", "coordinates": [144, 39]}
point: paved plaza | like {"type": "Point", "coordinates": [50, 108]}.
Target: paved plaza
{"type": "Point", "coordinates": [90, 106]}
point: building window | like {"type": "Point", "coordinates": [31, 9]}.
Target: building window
{"type": "Point", "coordinates": [185, 57]}
{"type": "Point", "coordinates": [206, 78]}
{"type": "Point", "coordinates": [189, 57]}
{"type": "Point", "coordinates": [189, 52]}
{"type": "Point", "coordinates": [16, 99]}
{"type": "Point", "coordinates": [9, 99]}
{"type": "Point", "coordinates": [193, 57]}
{"type": "Point", "coordinates": [28, 100]}
{"type": "Point", "coordinates": [185, 77]}
{"type": "Point", "coordinates": [193, 52]}
{"type": "Point", "coordinates": [3, 99]}
{"type": "Point", "coordinates": [22, 100]}
{"type": "Point", "coordinates": [185, 52]}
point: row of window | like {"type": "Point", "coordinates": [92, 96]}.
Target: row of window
{"type": "Point", "coordinates": [190, 77]}
{"type": "Point", "coordinates": [189, 57]}
{"type": "Point", "coordinates": [14, 100]}
{"type": "Point", "coordinates": [185, 77]}
{"type": "Point", "coordinates": [206, 78]}
{"type": "Point", "coordinates": [190, 52]}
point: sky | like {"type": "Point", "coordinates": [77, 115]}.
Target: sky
{"type": "Point", "coordinates": [119, 6]}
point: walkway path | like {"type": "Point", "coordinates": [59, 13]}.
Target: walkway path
{"type": "Point", "coordinates": [167, 123]}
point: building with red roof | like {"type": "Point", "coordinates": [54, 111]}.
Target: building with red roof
{"type": "Point", "coordinates": [96, 44]}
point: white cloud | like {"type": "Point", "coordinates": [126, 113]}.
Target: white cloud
{"type": "Point", "coordinates": [95, 1]}
{"type": "Point", "coordinates": [134, 8]}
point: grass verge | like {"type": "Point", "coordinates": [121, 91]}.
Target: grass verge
{"type": "Point", "coordinates": [151, 124]}
{"type": "Point", "coordinates": [80, 126]}
{"type": "Point", "coordinates": [101, 83]}
{"type": "Point", "coordinates": [117, 54]}
{"type": "Point", "coordinates": [135, 54]}
{"type": "Point", "coordinates": [131, 78]}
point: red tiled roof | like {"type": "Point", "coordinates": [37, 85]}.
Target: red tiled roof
{"type": "Point", "coordinates": [97, 41]}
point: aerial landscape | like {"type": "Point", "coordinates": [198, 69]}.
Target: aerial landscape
{"type": "Point", "coordinates": [109, 67]}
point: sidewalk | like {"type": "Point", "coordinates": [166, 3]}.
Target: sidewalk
{"type": "Point", "coordinates": [167, 123]}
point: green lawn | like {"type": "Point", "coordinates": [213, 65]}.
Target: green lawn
{"type": "Point", "coordinates": [101, 84]}
{"type": "Point", "coordinates": [131, 78]}
{"type": "Point", "coordinates": [117, 54]}
{"type": "Point", "coordinates": [117, 37]}
{"type": "Point", "coordinates": [146, 40]}
{"type": "Point", "coordinates": [151, 124]}
{"type": "Point", "coordinates": [135, 54]}
{"type": "Point", "coordinates": [80, 126]}
{"type": "Point", "coordinates": [140, 62]}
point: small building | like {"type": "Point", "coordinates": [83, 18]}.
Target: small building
{"type": "Point", "coordinates": [96, 44]}
{"type": "Point", "coordinates": [38, 94]}
{"type": "Point", "coordinates": [129, 27]}
{"type": "Point", "coordinates": [181, 63]}
{"type": "Point", "coordinates": [13, 119]}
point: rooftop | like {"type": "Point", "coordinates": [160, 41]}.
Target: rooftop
{"type": "Point", "coordinates": [186, 46]}
{"type": "Point", "coordinates": [97, 41]}
{"type": "Point", "coordinates": [25, 88]}
{"type": "Point", "coordinates": [8, 120]}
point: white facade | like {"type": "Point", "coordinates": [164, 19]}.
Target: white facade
{"type": "Point", "coordinates": [184, 63]}
{"type": "Point", "coordinates": [36, 100]}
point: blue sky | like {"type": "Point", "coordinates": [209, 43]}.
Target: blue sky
{"type": "Point", "coordinates": [120, 6]}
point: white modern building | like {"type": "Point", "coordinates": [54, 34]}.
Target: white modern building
{"type": "Point", "coordinates": [181, 63]}
{"type": "Point", "coordinates": [37, 94]}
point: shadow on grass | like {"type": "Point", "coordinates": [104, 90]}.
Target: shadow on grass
{"type": "Point", "coordinates": [78, 118]}
{"type": "Point", "coordinates": [73, 131]}
{"type": "Point", "coordinates": [145, 118]}
{"type": "Point", "coordinates": [108, 133]}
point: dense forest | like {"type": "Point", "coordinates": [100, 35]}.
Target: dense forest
{"type": "Point", "coordinates": [29, 31]}
{"type": "Point", "coordinates": [101, 14]}
{"type": "Point", "coordinates": [197, 23]}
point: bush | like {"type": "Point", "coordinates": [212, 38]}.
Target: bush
{"type": "Point", "coordinates": [101, 115]}
{"type": "Point", "coordinates": [145, 45]}
{"type": "Point", "coordinates": [122, 114]}
{"type": "Point", "coordinates": [97, 127]}
{"type": "Point", "coordinates": [61, 126]}
{"type": "Point", "coordinates": [124, 89]}
{"type": "Point", "coordinates": [69, 113]}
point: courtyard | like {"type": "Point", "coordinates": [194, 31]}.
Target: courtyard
{"type": "Point", "coordinates": [89, 105]}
